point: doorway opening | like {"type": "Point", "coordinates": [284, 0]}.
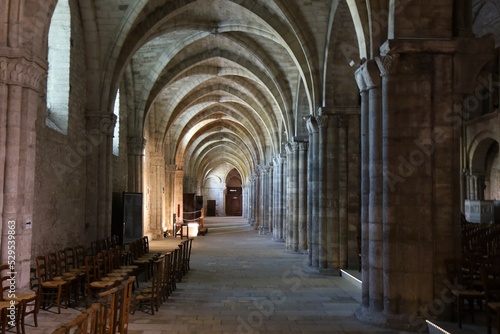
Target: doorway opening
{"type": "Point", "coordinates": [234, 198]}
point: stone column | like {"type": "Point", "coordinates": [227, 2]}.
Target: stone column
{"type": "Point", "coordinates": [179, 193]}
{"type": "Point", "coordinates": [154, 227]}
{"type": "Point", "coordinates": [170, 207]}
{"type": "Point", "coordinates": [20, 90]}
{"type": "Point", "coordinates": [251, 195]}
{"type": "Point", "coordinates": [257, 199]}
{"type": "Point", "coordinates": [302, 197]}
{"type": "Point", "coordinates": [291, 221]}
{"type": "Point", "coordinates": [278, 193]}
{"type": "Point", "coordinates": [284, 196]}
{"type": "Point", "coordinates": [343, 188]}
{"type": "Point", "coordinates": [372, 238]}
{"type": "Point", "coordinates": [313, 191]}
{"type": "Point", "coordinates": [414, 162]}
{"type": "Point", "coordinates": [100, 127]}
{"type": "Point", "coordinates": [322, 120]}
{"type": "Point", "coordinates": [135, 149]}
{"type": "Point", "coordinates": [270, 187]}
{"type": "Point", "coordinates": [477, 186]}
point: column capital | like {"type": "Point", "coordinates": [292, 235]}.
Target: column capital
{"type": "Point", "coordinates": [18, 70]}
{"type": "Point", "coordinates": [312, 125]}
{"type": "Point", "coordinates": [102, 121]}
{"type": "Point", "coordinates": [388, 64]}
{"type": "Point", "coordinates": [322, 120]}
{"type": "Point", "coordinates": [136, 145]}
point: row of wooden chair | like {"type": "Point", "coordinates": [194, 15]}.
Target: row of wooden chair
{"type": "Point", "coordinates": [15, 306]}
{"type": "Point", "coordinates": [167, 270]}
{"type": "Point", "coordinates": [109, 315]}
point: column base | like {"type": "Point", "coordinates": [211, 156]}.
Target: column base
{"type": "Point", "coordinates": [402, 322]}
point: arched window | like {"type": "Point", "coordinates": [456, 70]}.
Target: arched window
{"type": "Point", "coordinates": [59, 68]}
{"type": "Point", "coordinates": [116, 134]}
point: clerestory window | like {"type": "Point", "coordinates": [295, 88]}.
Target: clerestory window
{"type": "Point", "coordinates": [59, 68]}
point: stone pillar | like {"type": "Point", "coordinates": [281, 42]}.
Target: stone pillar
{"type": "Point", "coordinates": [179, 193]}
{"type": "Point", "coordinates": [302, 197]}
{"type": "Point", "coordinates": [313, 191]}
{"type": "Point", "coordinates": [154, 228]}
{"type": "Point", "coordinates": [343, 189]}
{"type": "Point", "coordinates": [100, 127]}
{"type": "Point", "coordinates": [371, 184]}
{"type": "Point", "coordinates": [135, 149]}
{"type": "Point", "coordinates": [291, 220]}
{"type": "Point", "coordinates": [284, 196]}
{"type": "Point", "coordinates": [322, 192]}
{"type": "Point", "coordinates": [278, 194]}
{"type": "Point", "coordinates": [257, 199]}
{"type": "Point", "coordinates": [414, 157]}
{"type": "Point", "coordinates": [20, 90]}
{"type": "Point", "coordinates": [477, 186]}
{"type": "Point", "coordinates": [251, 195]}
{"type": "Point", "coordinates": [170, 207]}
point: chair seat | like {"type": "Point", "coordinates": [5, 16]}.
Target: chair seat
{"type": "Point", "coordinates": [53, 284]}
{"type": "Point", "coordinates": [102, 284]}
{"type": "Point", "coordinates": [468, 293]}
{"type": "Point", "coordinates": [23, 296]}
{"type": "Point", "coordinates": [494, 305]}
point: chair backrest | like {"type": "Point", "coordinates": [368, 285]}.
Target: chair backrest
{"type": "Point", "coordinates": [80, 256]}
{"type": "Point", "coordinates": [93, 318]}
{"type": "Point", "coordinates": [78, 325]}
{"type": "Point", "coordinates": [128, 287]}
{"type": "Point", "coordinates": [5, 280]}
{"type": "Point", "coordinates": [52, 266]}
{"type": "Point", "coordinates": [490, 276]}
{"type": "Point", "coordinates": [109, 310]}
{"type": "Point", "coordinates": [42, 273]}
{"type": "Point", "coordinates": [70, 257]}
{"type": "Point", "coordinates": [62, 263]}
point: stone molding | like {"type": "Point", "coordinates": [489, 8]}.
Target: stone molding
{"type": "Point", "coordinates": [22, 72]}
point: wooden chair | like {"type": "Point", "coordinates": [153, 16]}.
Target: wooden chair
{"type": "Point", "coordinates": [124, 305]}
{"type": "Point", "coordinates": [29, 301]}
{"type": "Point", "coordinates": [49, 290]}
{"type": "Point", "coordinates": [463, 290]}
{"type": "Point", "coordinates": [7, 319]}
{"type": "Point", "coordinates": [150, 296]}
{"type": "Point", "coordinates": [66, 274]}
{"type": "Point", "coordinates": [93, 313]}
{"type": "Point", "coordinates": [108, 311]}
{"type": "Point", "coordinates": [79, 325]}
{"type": "Point", "coordinates": [73, 266]}
{"type": "Point", "coordinates": [490, 276]}
{"type": "Point", "coordinates": [94, 284]}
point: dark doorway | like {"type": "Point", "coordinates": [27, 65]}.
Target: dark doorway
{"type": "Point", "coordinates": [233, 201]}
{"type": "Point", "coordinates": [211, 204]}
{"type": "Point", "coordinates": [234, 196]}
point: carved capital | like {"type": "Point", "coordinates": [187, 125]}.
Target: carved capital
{"type": "Point", "coordinates": [388, 64]}
{"type": "Point", "coordinates": [103, 122]}
{"type": "Point", "coordinates": [135, 145]}
{"type": "Point", "coordinates": [22, 72]}
{"type": "Point", "coordinates": [322, 121]}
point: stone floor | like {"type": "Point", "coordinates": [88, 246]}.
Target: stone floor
{"type": "Point", "coordinates": [242, 282]}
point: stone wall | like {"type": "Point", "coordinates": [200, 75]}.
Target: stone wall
{"type": "Point", "coordinates": [61, 171]}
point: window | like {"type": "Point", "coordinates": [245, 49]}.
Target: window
{"type": "Point", "coordinates": [59, 67]}
{"type": "Point", "coordinates": [116, 134]}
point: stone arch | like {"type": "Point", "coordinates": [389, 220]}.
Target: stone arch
{"type": "Point", "coordinates": [483, 154]}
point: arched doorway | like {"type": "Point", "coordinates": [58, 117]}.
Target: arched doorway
{"type": "Point", "coordinates": [233, 194]}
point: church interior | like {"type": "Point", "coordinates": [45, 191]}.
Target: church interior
{"type": "Point", "coordinates": [363, 134]}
